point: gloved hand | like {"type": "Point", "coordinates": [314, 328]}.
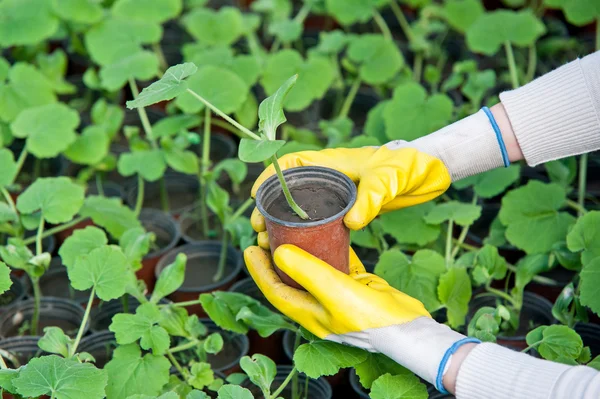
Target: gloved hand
{"type": "Point", "coordinates": [359, 309]}
{"type": "Point", "coordinates": [387, 179]}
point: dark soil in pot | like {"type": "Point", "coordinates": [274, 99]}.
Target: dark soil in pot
{"type": "Point", "coordinates": [56, 283]}
{"type": "Point", "coordinates": [182, 191]}
{"type": "Point", "coordinates": [202, 265]}
{"type": "Point", "coordinates": [326, 195]}
{"type": "Point", "coordinates": [57, 312]}
{"type": "Point", "coordinates": [16, 293]}
{"type": "Point", "coordinates": [23, 349]}
{"type": "Point", "coordinates": [103, 314]}
{"type": "Point", "coordinates": [192, 230]}
{"type": "Point", "coordinates": [317, 389]}
{"type": "Point", "coordinates": [536, 311]}
{"type": "Point", "coordinates": [100, 345]}
{"type": "Point", "coordinates": [590, 334]}
{"type": "Point", "coordinates": [166, 231]}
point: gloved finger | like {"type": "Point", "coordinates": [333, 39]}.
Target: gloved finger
{"type": "Point", "coordinates": [263, 240]}
{"type": "Point", "coordinates": [257, 221]}
{"type": "Point", "coordinates": [356, 266]}
{"type": "Point", "coordinates": [372, 193]}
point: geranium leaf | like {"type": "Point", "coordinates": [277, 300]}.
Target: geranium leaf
{"type": "Point", "coordinates": [590, 285]}
{"type": "Point", "coordinates": [492, 183]}
{"type": "Point", "coordinates": [461, 14]}
{"type": "Point", "coordinates": [157, 11]}
{"type": "Point", "coordinates": [201, 375]}
{"type": "Point", "coordinates": [375, 366]}
{"type": "Point", "coordinates": [135, 244]}
{"type": "Point", "coordinates": [420, 232]}
{"type": "Point", "coordinates": [141, 65]}
{"type": "Point", "coordinates": [270, 111]}
{"type": "Point", "coordinates": [397, 387]}
{"type": "Point", "coordinates": [578, 12]}
{"type": "Point", "coordinates": [81, 242]}
{"type": "Point", "coordinates": [584, 237]}
{"type": "Point", "coordinates": [318, 358]}
{"type": "Point", "coordinates": [26, 22]}
{"type": "Point", "coordinates": [108, 116]}
{"type": "Point", "coordinates": [5, 281]}
{"type": "Point", "coordinates": [258, 150]}
{"type": "Point", "coordinates": [263, 320]}
{"type": "Point", "coordinates": [8, 166]}
{"type": "Point", "coordinates": [79, 11]}
{"type": "Point", "coordinates": [234, 392]}
{"type": "Point", "coordinates": [555, 342]}
{"type": "Point", "coordinates": [454, 292]}
{"type": "Point", "coordinates": [55, 341]}
{"type": "Point", "coordinates": [57, 198]}
{"type": "Point", "coordinates": [461, 213]}
{"type": "Point", "coordinates": [110, 214]}
{"type": "Point", "coordinates": [260, 369]}
{"type": "Point", "coordinates": [333, 42]}
{"type": "Point", "coordinates": [89, 148]}
{"type": "Point", "coordinates": [170, 279]}
{"type": "Point", "coordinates": [182, 161]}
{"type": "Point", "coordinates": [210, 27]}
{"type": "Point", "coordinates": [348, 12]}
{"type": "Point", "coordinates": [168, 87]}
{"type": "Point", "coordinates": [379, 59]}
{"type": "Point", "coordinates": [142, 325]}
{"type": "Point", "coordinates": [150, 164]}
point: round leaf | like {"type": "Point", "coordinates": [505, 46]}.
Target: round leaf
{"type": "Point", "coordinates": [8, 166]}
{"type": "Point", "coordinates": [81, 242]}
{"type": "Point", "coordinates": [348, 12]}
{"type": "Point", "coordinates": [26, 22]}
{"type": "Point", "coordinates": [157, 11]}
{"type": "Point", "coordinates": [398, 386]}
{"type": "Point", "coordinates": [461, 14]}
{"type": "Point", "coordinates": [454, 291]}
{"type": "Point", "coordinates": [57, 198]}
{"type": "Point", "coordinates": [151, 164]}
{"type": "Point", "coordinates": [210, 27]}
{"type": "Point", "coordinates": [110, 214]}
{"type": "Point", "coordinates": [379, 59]}
{"type": "Point", "coordinates": [79, 11]}
{"type": "Point", "coordinates": [89, 148]}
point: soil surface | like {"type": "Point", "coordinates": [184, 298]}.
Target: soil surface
{"type": "Point", "coordinates": [317, 201]}
{"type": "Point", "coordinates": [228, 355]}
{"type": "Point", "coordinates": [163, 236]}
{"type": "Point", "coordinates": [200, 271]}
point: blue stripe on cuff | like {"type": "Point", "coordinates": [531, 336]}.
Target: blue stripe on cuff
{"type": "Point", "coordinates": [498, 135]}
{"type": "Point", "coordinates": [439, 384]}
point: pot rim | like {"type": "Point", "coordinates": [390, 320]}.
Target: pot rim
{"type": "Point", "coordinates": [242, 339]}
{"type": "Point", "coordinates": [355, 384]}
{"type": "Point", "coordinates": [299, 171]}
{"type": "Point", "coordinates": [157, 214]}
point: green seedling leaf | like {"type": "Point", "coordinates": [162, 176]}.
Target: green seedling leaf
{"type": "Point", "coordinates": [270, 111]}
{"type": "Point", "coordinates": [454, 292]}
{"type": "Point", "coordinates": [128, 328]}
{"type": "Point", "coordinates": [8, 166]}
{"type": "Point", "coordinates": [461, 14]}
{"type": "Point", "coordinates": [217, 306]}
{"type": "Point", "coordinates": [595, 363]}
{"type": "Point", "coordinates": [421, 233]}
{"type": "Point", "coordinates": [210, 27]}
{"type": "Point", "coordinates": [4, 69]}
{"type": "Point", "coordinates": [197, 395]}
{"type": "Point", "coordinates": [489, 265]}
{"type": "Point", "coordinates": [461, 213]}
{"type": "Point", "coordinates": [276, 9]}
{"type": "Point", "coordinates": [103, 269]}
{"type": "Point", "coordinates": [234, 392]}
{"type": "Point", "coordinates": [260, 369]}
{"type": "Point", "coordinates": [129, 373]}
{"type": "Point", "coordinates": [54, 67]}
{"type": "Point", "coordinates": [484, 325]}
{"type": "Point", "coordinates": [379, 59]}
{"type": "Point", "coordinates": [108, 116]}
{"type": "Point", "coordinates": [236, 378]}
{"type": "Point", "coordinates": [16, 254]}
{"type": "Point", "coordinates": [333, 42]}
{"type": "Point", "coordinates": [168, 87]}
{"type": "Point", "coordinates": [398, 386]}
{"type": "Point", "coordinates": [135, 244]}
{"type": "Point", "coordinates": [201, 375]}
{"type": "Point", "coordinates": [142, 65]}
{"type": "Point", "coordinates": [492, 183]}
{"type": "Point", "coordinates": [172, 125]}
{"type": "Point", "coordinates": [590, 285]}
{"type": "Point", "coordinates": [49, 129]}
{"type": "Point", "coordinates": [78, 11]}
{"type": "Point", "coordinates": [375, 366]}
{"type": "Point", "coordinates": [578, 12]}
{"type": "Point", "coordinates": [182, 161]}
{"type": "Point", "coordinates": [157, 11]}
{"type": "Point", "coordinates": [491, 30]}
{"type": "Point", "coordinates": [411, 114]}
{"type": "Point", "coordinates": [337, 131]}
{"type": "Point", "coordinates": [562, 171]}
{"type": "Point", "coordinates": [5, 281]}
{"type": "Point", "coordinates": [110, 214]}
{"type": "Point", "coordinates": [368, 237]}
{"type": "Point", "coordinates": [263, 320]}
{"type": "Point", "coordinates": [584, 237]}
{"type": "Point", "coordinates": [315, 76]}
{"type": "Point", "coordinates": [217, 201]}
{"type": "Point", "coordinates": [287, 30]}
{"type": "Point", "coordinates": [213, 343]}
{"type": "Point", "coordinates": [81, 242]}
{"type": "Point", "coordinates": [375, 124]}
{"type": "Point", "coordinates": [57, 198]}
{"type": "Point", "coordinates": [168, 395]}
{"type": "Point", "coordinates": [150, 164]}
{"type": "Point", "coordinates": [170, 279]}
{"type": "Point", "coordinates": [55, 341]}
{"type": "Point", "coordinates": [90, 148]}
{"type": "Point", "coordinates": [349, 12]}
{"type": "Point", "coordinates": [174, 320]}
{"type": "Point", "coordinates": [60, 378]}
{"type": "Point", "coordinates": [7, 376]}
{"type": "Point", "coordinates": [7, 215]}
{"type": "Point", "coordinates": [318, 358]}
{"type": "Point", "coordinates": [529, 267]}
{"type": "Point", "coordinates": [247, 114]}
{"type": "Point", "coordinates": [26, 22]}
{"type": "Point", "coordinates": [417, 277]}
{"type": "Point", "coordinates": [234, 168]}
{"type": "Point", "coordinates": [555, 342]}
{"type": "Point", "coordinates": [531, 216]}
{"type": "Point", "coordinates": [258, 150]}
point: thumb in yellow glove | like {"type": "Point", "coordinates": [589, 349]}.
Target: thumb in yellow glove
{"type": "Point", "coordinates": [359, 309]}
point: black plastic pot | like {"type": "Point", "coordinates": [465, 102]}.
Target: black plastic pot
{"type": "Point", "coordinates": [110, 188]}
{"type": "Point", "coordinates": [590, 334]}
{"type": "Point", "coordinates": [48, 167]}
{"type": "Point", "coordinates": [435, 394]}
{"type": "Point", "coordinates": [55, 283]}
{"type": "Point", "coordinates": [100, 345]}
{"type": "Point", "coordinates": [317, 389]}
{"type": "Point", "coordinates": [22, 349]}
{"type": "Point", "coordinates": [221, 147]}
{"type": "Point", "coordinates": [357, 387]}
{"type": "Point", "coordinates": [166, 230]}
{"type": "Point", "coordinates": [182, 191]}
{"type": "Point", "coordinates": [202, 262]}
{"type": "Point", "coordinates": [16, 293]}
{"type": "Point", "coordinates": [190, 226]}
{"type": "Point", "coordinates": [48, 243]}
{"type": "Point", "coordinates": [103, 314]}
{"type": "Point", "coordinates": [536, 311]}
{"type": "Point", "coordinates": [58, 312]}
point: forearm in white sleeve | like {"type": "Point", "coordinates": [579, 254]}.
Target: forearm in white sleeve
{"type": "Point", "coordinates": [492, 371]}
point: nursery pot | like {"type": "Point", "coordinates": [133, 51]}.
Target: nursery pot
{"type": "Point", "coordinates": [326, 195]}
{"type": "Point", "coordinates": [202, 264]}
{"type": "Point", "coordinates": [166, 231]}
{"type": "Point", "coordinates": [100, 345]}
{"type": "Point", "coordinates": [15, 293]}
{"type": "Point", "coordinates": [57, 312]}
{"type": "Point", "coordinates": [317, 388]}
{"type": "Point", "coordinates": [182, 191]}
{"type": "Point", "coordinates": [103, 314]}
{"type": "Point", "coordinates": [55, 283]}
{"type": "Point", "coordinates": [358, 389]}
{"type": "Point", "coordinates": [221, 146]}
{"type": "Point", "coordinates": [22, 349]}
{"type": "Point", "coordinates": [590, 334]}
{"type": "Point", "coordinates": [191, 228]}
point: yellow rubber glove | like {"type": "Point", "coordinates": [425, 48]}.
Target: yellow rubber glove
{"type": "Point", "coordinates": [387, 179]}
{"type": "Point", "coordinates": [359, 309]}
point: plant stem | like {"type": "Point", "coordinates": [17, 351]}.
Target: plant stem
{"type": "Point", "coordinates": [350, 98]}
{"type": "Point", "coordinates": [284, 383]}
{"type": "Point", "coordinates": [204, 165]}
{"type": "Point", "coordinates": [501, 294]}
{"type": "Point", "coordinates": [461, 239]}
{"type": "Point", "coordinates": [532, 346]}
{"type": "Point", "coordinates": [86, 316]}
{"type": "Point", "coordinates": [38, 236]}
{"type": "Point", "coordinates": [449, 243]}
{"type": "Point", "coordinates": [512, 66]}
{"type": "Point", "coordinates": [20, 162]}
{"type": "Point", "coordinates": [537, 279]}
{"type": "Point", "coordinates": [164, 196]}
{"type": "Point", "coordinates": [299, 18]}
{"type": "Point", "coordinates": [55, 230]}
{"type": "Point", "coordinates": [286, 191]}
{"type": "Point", "coordinates": [583, 162]}
{"type": "Point", "coordinates": [176, 364]}
{"type": "Point", "coordinates": [161, 57]}
{"type": "Point", "coordinates": [241, 209]}
{"type": "Point", "coordinates": [99, 184]}
{"type": "Point", "coordinates": [223, 115]}
{"type": "Point", "coordinates": [576, 206]}
{"type": "Point", "coordinates": [183, 347]}
{"type": "Point", "coordinates": [222, 257]}
{"type": "Point", "coordinates": [532, 63]}
{"type": "Point", "coordinates": [418, 67]}
{"type": "Point", "coordinates": [465, 245]}
{"type": "Point", "coordinates": [184, 304]}
{"type": "Point", "coordinates": [381, 24]}
{"type": "Point", "coordinates": [37, 295]}
{"type": "Point", "coordinates": [9, 200]}
{"type": "Point", "coordinates": [143, 115]}
{"type": "Point", "coordinates": [404, 25]}
{"type": "Point", "coordinates": [228, 127]}
{"type": "Point", "coordinates": [140, 196]}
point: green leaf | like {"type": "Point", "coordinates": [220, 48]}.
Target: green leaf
{"type": "Point", "coordinates": [492, 183]}
{"type": "Point", "coordinates": [315, 76]}
{"type": "Point", "coordinates": [319, 358]}
{"type": "Point", "coordinates": [129, 373]}
{"type": "Point", "coordinates": [8, 166]}
{"type": "Point", "coordinates": [461, 213]}
{"type": "Point", "coordinates": [157, 11]}
{"type": "Point", "coordinates": [110, 214]}
{"type": "Point", "coordinates": [529, 267]}
{"type": "Point", "coordinates": [5, 281]}
{"type": "Point", "coordinates": [135, 244]}
{"type": "Point", "coordinates": [263, 320]}
{"type": "Point", "coordinates": [485, 324]}
{"type": "Point", "coordinates": [49, 129]}
{"type": "Point", "coordinates": [201, 375]}
{"type": "Point", "coordinates": [333, 42]}
{"type": "Point", "coordinates": [182, 161]}
{"type": "Point", "coordinates": [258, 150]}
{"type": "Point", "coordinates": [213, 343]}
{"type": "Point", "coordinates": [128, 328]}
{"type": "Point", "coordinates": [141, 65]}
{"type": "Point", "coordinates": [287, 30]}
{"type": "Point", "coordinates": [491, 30]}
{"type": "Point", "coordinates": [531, 216]}
{"type": "Point", "coordinates": [348, 12]}
{"type": "Point", "coordinates": [260, 369]}
{"type": "Point", "coordinates": [168, 87]}
{"type": "Point", "coordinates": [234, 392]}
{"type": "Point", "coordinates": [81, 242]}
{"type": "Point", "coordinates": [235, 169]}
{"type": "Point", "coordinates": [554, 342]}
{"type": "Point", "coordinates": [172, 125]}
{"type": "Point", "coordinates": [219, 86]}
{"type": "Point", "coordinates": [417, 277]}
{"type": "Point", "coordinates": [174, 320]}
{"type": "Point", "coordinates": [60, 378]}
{"type": "Point", "coordinates": [489, 262]}
{"type": "Point", "coordinates": [411, 114]}
{"type": "Point", "coordinates": [375, 124]}
{"type": "Point", "coordinates": [595, 363]}
{"type": "Point", "coordinates": [170, 279]}
{"type": "Point", "coordinates": [7, 214]}
{"type": "Point", "coordinates": [26, 22]}
{"type": "Point", "coordinates": [90, 148]}
{"type": "Point", "coordinates": [378, 58]}
{"type": "Point", "coordinates": [55, 341]}
{"type": "Point", "coordinates": [219, 312]}
{"type": "Point", "coordinates": [420, 233]}
{"type": "Point", "coordinates": [7, 376]}
{"type": "Point", "coordinates": [578, 12]}
{"type": "Point", "coordinates": [584, 237]}
{"type": "Point", "coordinates": [454, 292]}
{"type": "Point", "coordinates": [461, 14]}
{"type": "Point", "coordinates": [270, 111]}
{"type": "Point", "coordinates": [150, 164]}
{"type": "Point", "coordinates": [16, 254]}
{"type": "Point", "coordinates": [590, 285]}
{"type": "Point", "coordinates": [108, 116]}
{"type": "Point", "coordinates": [398, 387]}
{"type": "Point", "coordinates": [102, 268]}
{"type": "Point", "coordinates": [375, 366]}
{"type": "Point", "coordinates": [54, 67]}
{"type": "Point", "coordinates": [210, 27]}
{"type": "Point", "coordinates": [79, 11]}
{"type": "Point", "coordinates": [247, 114]}
{"type": "Point", "coordinates": [57, 198]}
{"type": "Point", "coordinates": [562, 171]}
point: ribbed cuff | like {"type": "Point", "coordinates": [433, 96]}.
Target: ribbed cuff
{"type": "Point", "coordinates": [467, 147]}
{"type": "Point", "coordinates": [558, 114]}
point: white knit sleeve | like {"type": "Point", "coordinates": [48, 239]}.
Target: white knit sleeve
{"type": "Point", "coordinates": [492, 371]}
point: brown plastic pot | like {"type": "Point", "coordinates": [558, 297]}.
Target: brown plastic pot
{"type": "Point", "coordinates": [328, 239]}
